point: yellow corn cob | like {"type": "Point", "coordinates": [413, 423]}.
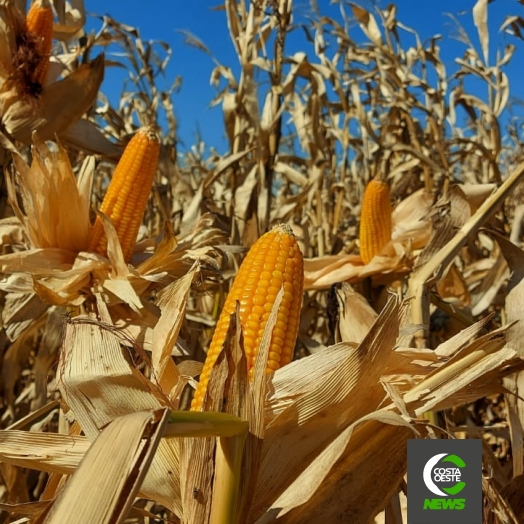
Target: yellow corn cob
{"type": "Point", "coordinates": [126, 197]}
{"type": "Point", "coordinates": [39, 22]}
{"type": "Point", "coordinates": [375, 219]}
{"type": "Point", "coordinates": [273, 262]}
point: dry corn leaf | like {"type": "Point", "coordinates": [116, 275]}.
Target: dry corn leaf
{"type": "Point", "coordinates": [47, 354]}
{"type": "Point", "coordinates": [20, 311]}
{"type": "Point", "coordinates": [26, 509]}
{"type": "Point", "coordinates": [514, 257]}
{"type": "Point", "coordinates": [16, 357]}
{"type": "Point", "coordinates": [99, 384]}
{"type": "Point", "coordinates": [486, 281]}
{"type": "Point", "coordinates": [85, 136]}
{"type": "Point", "coordinates": [452, 288]}
{"type": "Point", "coordinates": [111, 471]}
{"type": "Point", "coordinates": [171, 301]}
{"type": "Point", "coordinates": [355, 315]}
{"type": "Point", "coordinates": [71, 18]}
{"type": "Point", "coordinates": [49, 452]}
{"type": "Point", "coordinates": [480, 17]}
{"type": "Point", "coordinates": [475, 370]}
{"type": "Point", "coordinates": [410, 219]}
{"type": "Point", "coordinates": [475, 194]}
{"type": "Point", "coordinates": [341, 497]}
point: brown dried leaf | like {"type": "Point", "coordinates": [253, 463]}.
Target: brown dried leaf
{"type": "Point", "coordinates": [49, 452]}
{"type": "Point", "coordinates": [480, 18]}
{"type": "Point", "coordinates": [56, 213]}
{"type": "Point", "coordinates": [99, 384]}
{"type": "Point", "coordinates": [355, 315]}
{"type": "Point", "coordinates": [172, 303]}
{"type": "Point", "coordinates": [324, 409]}
{"type": "Point", "coordinates": [367, 23]}
{"type": "Point", "coordinates": [111, 471]}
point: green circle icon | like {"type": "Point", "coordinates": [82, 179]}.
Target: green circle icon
{"type": "Point", "coordinates": [459, 486]}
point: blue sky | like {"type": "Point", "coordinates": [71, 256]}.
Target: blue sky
{"type": "Point", "coordinates": [163, 20]}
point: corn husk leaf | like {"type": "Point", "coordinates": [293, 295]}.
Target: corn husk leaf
{"type": "Point", "coordinates": [355, 315]}
{"type": "Point", "coordinates": [50, 179]}
{"type": "Point", "coordinates": [49, 452]}
{"type": "Point", "coordinates": [99, 385]}
{"type": "Point", "coordinates": [112, 471]}
{"type": "Point", "coordinates": [85, 136]}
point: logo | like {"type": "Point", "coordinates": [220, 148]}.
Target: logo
{"type": "Point", "coordinates": [444, 481]}
{"type": "Point", "coordinates": [433, 475]}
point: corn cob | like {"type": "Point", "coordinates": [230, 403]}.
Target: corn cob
{"type": "Point", "coordinates": [126, 197]}
{"type": "Point", "coordinates": [273, 262]}
{"type": "Point", "coordinates": [39, 23]}
{"type": "Point", "coordinates": [375, 219]}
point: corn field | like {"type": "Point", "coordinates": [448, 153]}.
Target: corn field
{"type": "Point", "coordinates": [358, 248]}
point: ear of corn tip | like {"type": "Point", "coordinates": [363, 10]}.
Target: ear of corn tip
{"type": "Point", "coordinates": [375, 219]}
{"type": "Point", "coordinates": [128, 192]}
{"type": "Point", "coordinates": [273, 262]}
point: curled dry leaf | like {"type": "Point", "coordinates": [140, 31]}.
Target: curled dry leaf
{"type": "Point", "coordinates": [71, 18]}
{"type": "Point", "coordinates": [55, 214]}
{"type": "Point", "coordinates": [355, 316]}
